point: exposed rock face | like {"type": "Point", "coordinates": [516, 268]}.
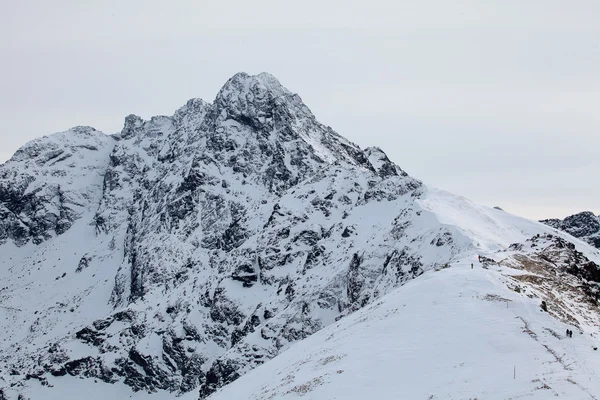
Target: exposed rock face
{"type": "Point", "coordinates": [562, 255]}
{"type": "Point", "coordinates": [585, 226]}
{"type": "Point", "coordinates": [50, 182]}
{"type": "Point", "coordinates": [563, 277]}
{"type": "Point", "coordinates": [186, 250]}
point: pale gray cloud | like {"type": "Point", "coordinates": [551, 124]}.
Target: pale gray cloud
{"type": "Point", "coordinates": [494, 100]}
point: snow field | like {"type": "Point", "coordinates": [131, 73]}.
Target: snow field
{"type": "Point", "coordinates": [447, 335]}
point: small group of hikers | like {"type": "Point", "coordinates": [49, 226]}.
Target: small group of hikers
{"type": "Point", "coordinates": [569, 333]}
{"type": "Point", "coordinates": [478, 259]}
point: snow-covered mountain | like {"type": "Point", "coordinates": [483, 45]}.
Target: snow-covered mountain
{"type": "Point", "coordinates": [188, 250]}
{"type": "Point", "coordinates": [585, 226]}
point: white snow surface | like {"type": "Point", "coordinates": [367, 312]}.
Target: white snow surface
{"type": "Point", "coordinates": [456, 333]}
{"type": "Point", "coordinates": [489, 229]}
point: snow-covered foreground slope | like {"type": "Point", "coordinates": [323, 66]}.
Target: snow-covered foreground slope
{"type": "Point", "coordinates": [456, 333]}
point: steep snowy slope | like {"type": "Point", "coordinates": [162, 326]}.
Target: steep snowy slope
{"type": "Point", "coordinates": [458, 333]}
{"type": "Point", "coordinates": [187, 250]}
{"type": "Point", "coordinates": [585, 226]}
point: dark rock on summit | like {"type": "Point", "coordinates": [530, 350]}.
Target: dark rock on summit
{"type": "Point", "coordinates": [585, 226]}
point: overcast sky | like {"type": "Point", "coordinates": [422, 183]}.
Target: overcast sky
{"type": "Point", "coordinates": [496, 100]}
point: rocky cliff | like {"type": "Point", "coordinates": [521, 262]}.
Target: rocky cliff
{"type": "Point", "coordinates": [585, 226]}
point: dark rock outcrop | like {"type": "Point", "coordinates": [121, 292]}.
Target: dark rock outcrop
{"type": "Point", "coordinates": [585, 226]}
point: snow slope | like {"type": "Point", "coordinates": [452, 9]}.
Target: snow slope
{"type": "Point", "coordinates": [456, 333]}
{"type": "Point", "coordinates": [489, 229]}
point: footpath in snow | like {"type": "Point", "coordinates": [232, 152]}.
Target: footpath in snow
{"type": "Point", "coordinates": [456, 333]}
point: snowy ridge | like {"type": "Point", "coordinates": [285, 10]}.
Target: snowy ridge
{"type": "Point", "coordinates": [190, 249]}
{"type": "Point", "coordinates": [485, 341]}
{"type": "Point", "coordinates": [491, 229]}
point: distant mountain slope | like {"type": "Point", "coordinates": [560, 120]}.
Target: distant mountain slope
{"type": "Point", "coordinates": [585, 226]}
{"type": "Point", "coordinates": [185, 251]}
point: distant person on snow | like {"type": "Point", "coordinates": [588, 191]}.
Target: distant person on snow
{"type": "Point", "coordinates": [471, 265]}
{"type": "Point", "coordinates": [567, 333]}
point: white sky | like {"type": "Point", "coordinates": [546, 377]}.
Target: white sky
{"type": "Point", "coordinates": [498, 101]}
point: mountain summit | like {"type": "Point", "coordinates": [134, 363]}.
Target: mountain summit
{"type": "Point", "coordinates": [187, 250]}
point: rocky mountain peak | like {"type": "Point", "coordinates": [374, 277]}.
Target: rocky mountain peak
{"type": "Point", "coordinates": [194, 109]}
{"type": "Point", "coordinates": [583, 218]}
{"type": "Point", "coordinates": [262, 104]}
{"type": "Point", "coordinates": [42, 149]}
{"type": "Point", "coordinates": [584, 225]}
{"type": "Point", "coordinates": [251, 89]}
{"type": "Point", "coordinates": [50, 182]}
{"type": "Point", "coordinates": [382, 164]}
{"type": "Point", "coordinates": [190, 248]}
{"type": "Point", "coordinates": [133, 125]}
